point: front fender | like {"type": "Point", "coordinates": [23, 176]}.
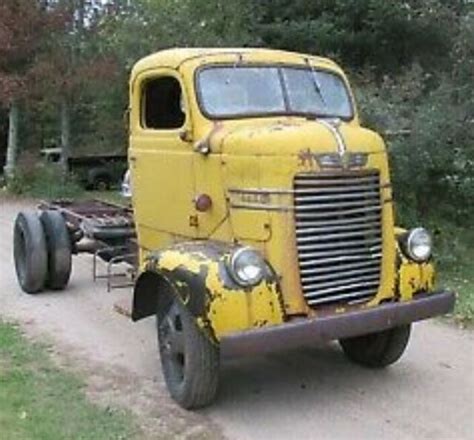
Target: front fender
{"type": "Point", "coordinates": [412, 277]}
{"type": "Point", "coordinates": [197, 273]}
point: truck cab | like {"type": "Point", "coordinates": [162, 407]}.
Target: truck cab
{"type": "Point", "coordinates": [265, 216]}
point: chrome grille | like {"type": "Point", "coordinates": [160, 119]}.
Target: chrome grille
{"type": "Point", "coordinates": [338, 236]}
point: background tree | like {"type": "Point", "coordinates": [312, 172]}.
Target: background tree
{"type": "Point", "coordinates": [23, 28]}
{"type": "Point", "coordinates": [409, 61]}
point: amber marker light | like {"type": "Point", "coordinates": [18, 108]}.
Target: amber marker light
{"type": "Point", "coordinates": [203, 202]}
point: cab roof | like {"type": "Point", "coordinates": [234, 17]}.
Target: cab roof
{"type": "Point", "coordinates": [174, 58]}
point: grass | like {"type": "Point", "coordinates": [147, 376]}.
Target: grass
{"type": "Point", "coordinates": [456, 271]}
{"type": "Point", "coordinates": [38, 401]}
{"type": "Point", "coordinates": [461, 281]}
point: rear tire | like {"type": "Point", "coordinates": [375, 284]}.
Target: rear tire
{"type": "Point", "coordinates": [59, 249]}
{"type": "Point", "coordinates": [101, 183]}
{"type": "Point", "coordinates": [30, 252]}
{"type": "Point", "coordinates": [190, 361]}
{"type": "Point", "coordinates": [377, 350]}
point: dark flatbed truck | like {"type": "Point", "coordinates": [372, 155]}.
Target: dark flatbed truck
{"type": "Point", "coordinates": [98, 171]}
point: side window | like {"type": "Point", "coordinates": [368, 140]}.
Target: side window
{"type": "Point", "coordinates": [162, 106]}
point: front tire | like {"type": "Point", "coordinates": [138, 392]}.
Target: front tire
{"type": "Point", "coordinates": [190, 361]}
{"type": "Point", "coordinates": [377, 350]}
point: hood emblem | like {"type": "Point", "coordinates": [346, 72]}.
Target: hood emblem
{"type": "Point", "coordinates": [344, 161]}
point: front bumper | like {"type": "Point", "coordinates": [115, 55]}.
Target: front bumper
{"type": "Point", "coordinates": [301, 332]}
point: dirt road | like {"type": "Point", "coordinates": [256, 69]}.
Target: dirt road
{"type": "Point", "coordinates": [303, 394]}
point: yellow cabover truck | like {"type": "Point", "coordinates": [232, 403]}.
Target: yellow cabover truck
{"type": "Point", "coordinates": [263, 213]}
{"type": "Point", "coordinates": [265, 216]}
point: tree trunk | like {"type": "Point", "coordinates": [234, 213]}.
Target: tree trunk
{"type": "Point", "coordinates": [65, 135]}
{"type": "Point", "coordinates": [12, 145]}
{"type": "Point", "coordinates": [81, 15]}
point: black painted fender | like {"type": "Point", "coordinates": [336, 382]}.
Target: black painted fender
{"type": "Point", "coordinates": [196, 272]}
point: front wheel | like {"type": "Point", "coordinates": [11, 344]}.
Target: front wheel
{"type": "Point", "coordinates": [377, 350]}
{"type": "Point", "coordinates": [190, 361]}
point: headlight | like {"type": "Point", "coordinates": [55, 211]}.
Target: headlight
{"type": "Point", "coordinates": [247, 267]}
{"type": "Point", "coordinates": [419, 244]}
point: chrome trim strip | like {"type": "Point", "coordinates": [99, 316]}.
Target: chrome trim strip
{"type": "Point", "coordinates": [341, 145]}
{"type": "Point", "coordinates": [262, 207]}
{"type": "Point", "coordinates": [260, 191]}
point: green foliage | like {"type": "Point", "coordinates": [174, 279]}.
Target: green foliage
{"type": "Point", "coordinates": [44, 182]}
{"type": "Point", "coordinates": [456, 270]}
{"type": "Point", "coordinates": [385, 35]}
{"type": "Point", "coordinates": [433, 159]}
{"type": "Point", "coordinates": [40, 402]}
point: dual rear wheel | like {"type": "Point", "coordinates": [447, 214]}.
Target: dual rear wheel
{"type": "Point", "coordinates": [42, 251]}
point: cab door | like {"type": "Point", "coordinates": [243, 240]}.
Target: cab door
{"type": "Point", "coordinates": [160, 161]}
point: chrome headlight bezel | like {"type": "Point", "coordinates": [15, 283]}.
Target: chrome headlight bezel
{"type": "Point", "coordinates": [250, 258]}
{"type": "Point", "coordinates": [418, 237]}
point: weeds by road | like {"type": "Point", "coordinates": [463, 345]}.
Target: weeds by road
{"type": "Point", "coordinates": [38, 401]}
{"type": "Point", "coordinates": [461, 280]}
{"type": "Point", "coordinates": [455, 256]}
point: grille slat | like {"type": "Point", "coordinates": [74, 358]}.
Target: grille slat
{"type": "Point", "coordinates": [337, 205]}
{"type": "Point", "coordinates": [360, 295]}
{"type": "Point", "coordinates": [342, 282]}
{"type": "Point", "coordinates": [341, 267]}
{"type": "Point", "coordinates": [342, 228]}
{"type": "Point", "coordinates": [338, 235]}
{"type": "Point", "coordinates": [312, 238]}
{"type": "Point", "coordinates": [315, 255]}
{"type": "Point", "coordinates": [311, 279]}
{"type": "Point", "coordinates": [338, 189]}
{"type": "Point", "coordinates": [340, 244]}
{"type": "Point", "coordinates": [343, 196]}
{"type": "Point", "coordinates": [301, 225]}
{"type": "Point", "coordinates": [310, 215]}
{"type": "Point", "coordinates": [330, 290]}
{"type": "Point", "coordinates": [325, 181]}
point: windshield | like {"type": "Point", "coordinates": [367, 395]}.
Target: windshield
{"type": "Point", "coordinates": [233, 91]}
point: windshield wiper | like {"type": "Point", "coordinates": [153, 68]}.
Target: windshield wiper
{"type": "Point", "coordinates": [315, 81]}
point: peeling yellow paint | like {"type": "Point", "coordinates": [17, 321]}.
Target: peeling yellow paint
{"type": "Point", "coordinates": [414, 277]}
{"type": "Point", "coordinates": [229, 309]}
